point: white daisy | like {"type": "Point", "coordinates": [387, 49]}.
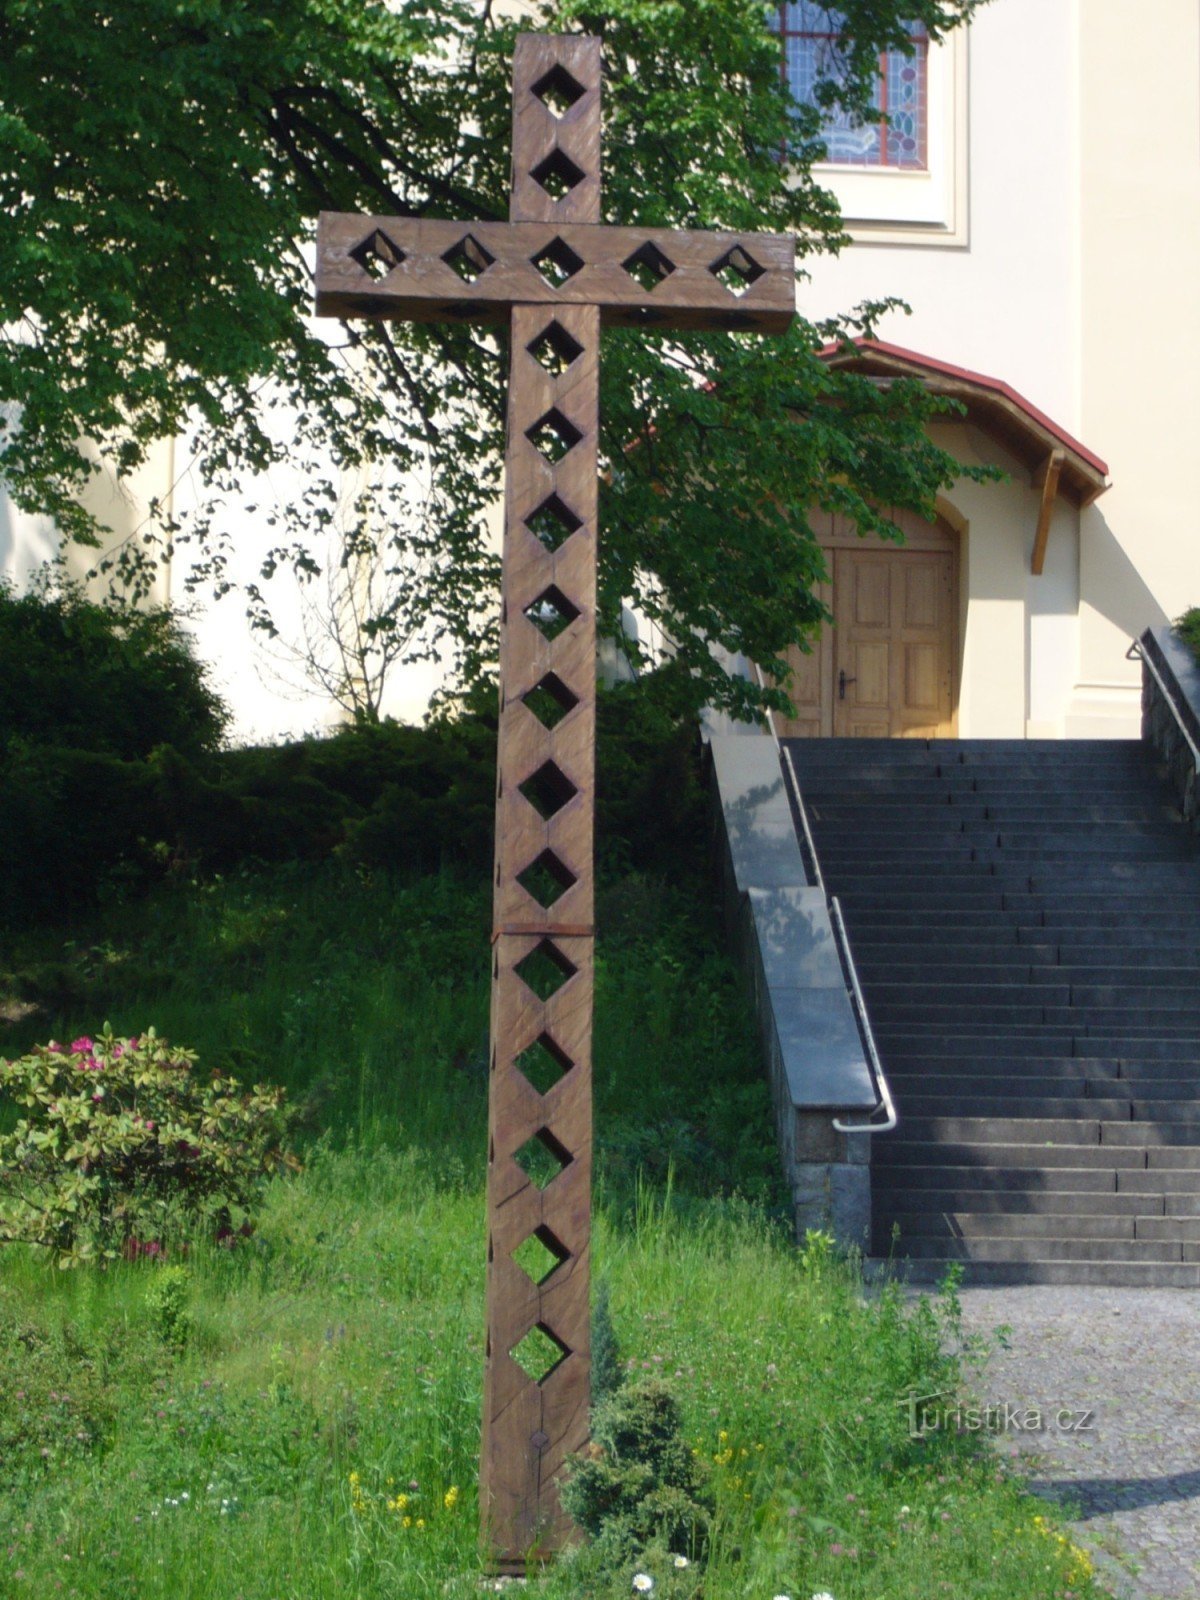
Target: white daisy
{"type": "Point", "coordinates": [681, 1562]}
{"type": "Point", "coordinates": [643, 1582]}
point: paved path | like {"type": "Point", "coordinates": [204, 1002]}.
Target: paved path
{"type": "Point", "coordinates": [1130, 1357]}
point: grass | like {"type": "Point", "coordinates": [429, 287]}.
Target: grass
{"type": "Point", "coordinates": [332, 1365]}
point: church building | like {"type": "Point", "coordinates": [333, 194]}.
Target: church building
{"type": "Point", "coordinates": [1035, 199]}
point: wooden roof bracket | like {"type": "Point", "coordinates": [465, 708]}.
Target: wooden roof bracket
{"type": "Point", "coordinates": [1046, 479]}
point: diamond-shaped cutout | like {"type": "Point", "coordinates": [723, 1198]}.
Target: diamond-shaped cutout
{"type": "Point", "coordinates": [558, 91]}
{"type": "Point", "coordinates": [468, 258]}
{"type": "Point", "coordinates": [557, 262]}
{"type": "Point", "coordinates": [558, 174]}
{"type": "Point", "coordinates": [377, 255]}
{"type": "Point", "coordinates": [648, 266]}
{"type": "Point", "coordinates": [553, 435]}
{"type": "Point", "coordinates": [543, 1064]}
{"type": "Point", "coordinates": [539, 1352]}
{"type": "Point", "coordinates": [548, 790]}
{"type": "Point", "coordinates": [554, 349]}
{"type": "Point", "coordinates": [546, 879]}
{"type": "Point", "coordinates": [737, 270]}
{"type": "Point", "coordinates": [540, 1255]}
{"type": "Point", "coordinates": [542, 1158]}
{"type": "Point", "coordinates": [544, 970]}
{"type": "Point", "coordinates": [551, 612]}
{"type": "Point", "coordinates": [553, 523]}
{"type": "Point", "coordinates": [550, 700]}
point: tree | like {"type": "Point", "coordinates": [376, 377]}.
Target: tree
{"type": "Point", "coordinates": [153, 279]}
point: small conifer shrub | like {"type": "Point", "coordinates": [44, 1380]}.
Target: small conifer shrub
{"type": "Point", "coordinates": [638, 1489]}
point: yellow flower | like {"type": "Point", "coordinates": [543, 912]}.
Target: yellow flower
{"type": "Point", "coordinates": [420, 1522]}
{"type": "Point", "coordinates": [450, 1498]}
{"type": "Point", "coordinates": [407, 1523]}
{"type": "Point", "coordinates": [354, 1477]}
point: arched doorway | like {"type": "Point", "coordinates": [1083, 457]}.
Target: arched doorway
{"type": "Point", "coordinates": [889, 665]}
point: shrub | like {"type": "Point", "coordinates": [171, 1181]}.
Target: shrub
{"type": "Point", "coordinates": [167, 1303]}
{"type": "Point", "coordinates": [1188, 629]}
{"type": "Point", "coordinates": [122, 1147]}
{"type": "Point", "coordinates": [638, 1489]}
{"type": "Point", "coordinates": [77, 675]}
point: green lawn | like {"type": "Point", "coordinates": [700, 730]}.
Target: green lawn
{"type": "Point", "coordinates": [332, 1363]}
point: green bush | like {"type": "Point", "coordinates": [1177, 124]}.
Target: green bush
{"type": "Point", "coordinates": [385, 798]}
{"type": "Point", "coordinates": [638, 1489]}
{"type": "Point", "coordinates": [1188, 629]}
{"type": "Point", "coordinates": [167, 1303]}
{"type": "Point", "coordinates": [76, 675]}
{"type": "Point", "coordinates": [121, 1150]}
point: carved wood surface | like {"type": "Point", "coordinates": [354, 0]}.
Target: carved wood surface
{"type": "Point", "coordinates": [757, 290]}
{"type": "Point", "coordinates": [530, 1428]}
{"type": "Point", "coordinates": [555, 273]}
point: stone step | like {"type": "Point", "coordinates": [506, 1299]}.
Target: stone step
{"type": "Point", "coordinates": [909, 969]}
{"type": "Point", "coordinates": [1095, 1274]}
{"type": "Point", "coordinates": [1062, 1205]}
{"type": "Point", "coordinates": [1012, 1156]}
{"type": "Point", "coordinates": [952, 1224]}
{"type": "Point", "coordinates": [888, 1179]}
{"type": "Point", "coordinates": [985, 1248]}
{"type": "Point", "coordinates": [920, 1104]}
{"type": "Point", "coordinates": [1058, 1132]}
{"type": "Point", "coordinates": [1021, 1071]}
{"type": "Point", "coordinates": [1158, 1180]}
{"type": "Point", "coordinates": [985, 1000]}
{"type": "Point", "coordinates": [1169, 1125]}
{"type": "Point", "coordinates": [939, 1041]}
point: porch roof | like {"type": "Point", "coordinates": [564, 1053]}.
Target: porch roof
{"type": "Point", "coordinates": [995, 407]}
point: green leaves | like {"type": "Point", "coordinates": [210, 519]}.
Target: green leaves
{"type": "Point", "coordinates": [154, 272]}
{"type": "Point", "coordinates": [130, 1153]}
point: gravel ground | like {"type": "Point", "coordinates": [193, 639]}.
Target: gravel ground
{"type": "Point", "coordinates": [1115, 1377]}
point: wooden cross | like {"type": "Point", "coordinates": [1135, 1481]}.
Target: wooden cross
{"type": "Point", "coordinates": [555, 274]}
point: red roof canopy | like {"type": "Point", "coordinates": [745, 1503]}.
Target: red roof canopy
{"type": "Point", "coordinates": [993, 405]}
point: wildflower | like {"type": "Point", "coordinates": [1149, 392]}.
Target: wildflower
{"type": "Point", "coordinates": [681, 1562]}
{"type": "Point", "coordinates": [643, 1582]}
{"type": "Point", "coordinates": [905, 1511]}
{"type": "Point", "coordinates": [450, 1498]}
{"type": "Point", "coordinates": [82, 1047]}
{"type": "Point", "coordinates": [824, 1595]}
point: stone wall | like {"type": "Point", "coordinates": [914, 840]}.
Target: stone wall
{"type": "Point", "coordinates": [1163, 714]}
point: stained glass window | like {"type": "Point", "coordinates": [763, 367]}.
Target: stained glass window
{"type": "Point", "coordinates": [897, 137]}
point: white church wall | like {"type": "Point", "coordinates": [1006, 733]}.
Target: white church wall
{"type": "Point", "coordinates": [1001, 302]}
{"type": "Point", "coordinates": [1140, 320]}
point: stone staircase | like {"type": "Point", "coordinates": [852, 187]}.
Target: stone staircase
{"type": "Point", "coordinates": [1025, 919]}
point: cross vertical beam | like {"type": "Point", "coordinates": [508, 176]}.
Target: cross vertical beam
{"type": "Point", "coordinates": [554, 273]}
{"type": "Point", "coordinates": [544, 814]}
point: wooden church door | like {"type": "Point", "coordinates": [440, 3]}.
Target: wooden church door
{"type": "Point", "coordinates": [888, 666]}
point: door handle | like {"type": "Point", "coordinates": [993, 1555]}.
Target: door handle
{"type": "Point", "coordinates": [843, 680]}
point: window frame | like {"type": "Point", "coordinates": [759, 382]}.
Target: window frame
{"type": "Point", "coordinates": [829, 36]}
{"type": "Point", "coordinates": [909, 205]}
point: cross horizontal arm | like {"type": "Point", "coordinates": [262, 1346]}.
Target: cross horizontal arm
{"type": "Point", "coordinates": [420, 270]}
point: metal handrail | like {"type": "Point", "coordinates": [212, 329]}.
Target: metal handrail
{"type": "Point", "coordinates": [802, 812]}
{"type": "Point", "coordinates": [1136, 649]}
{"type": "Point", "coordinates": [886, 1104]}
{"type": "Point", "coordinates": [849, 970]}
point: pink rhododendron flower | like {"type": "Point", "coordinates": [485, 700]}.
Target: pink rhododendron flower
{"type": "Point", "coordinates": [82, 1047]}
